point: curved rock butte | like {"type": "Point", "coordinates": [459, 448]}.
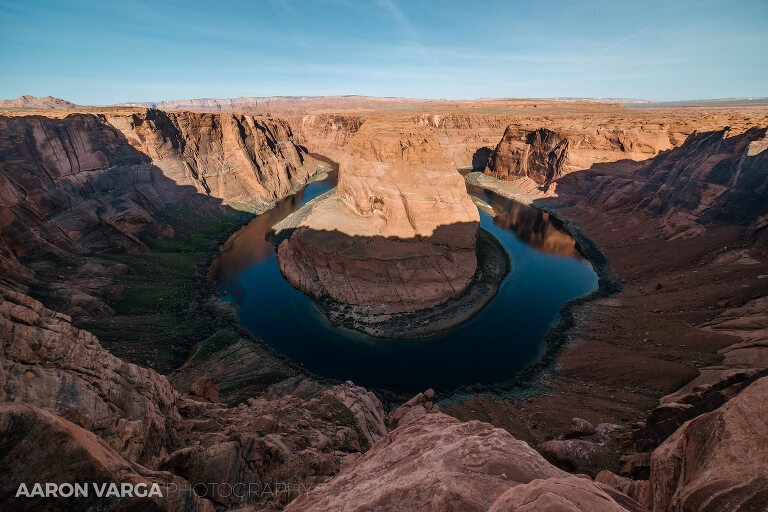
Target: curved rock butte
{"type": "Point", "coordinates": [398, 236]}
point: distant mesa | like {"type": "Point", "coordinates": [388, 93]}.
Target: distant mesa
{"type": "Point", "coordinates": [284, 102]}
{"type": "Point", "coordinates": [27, 101]}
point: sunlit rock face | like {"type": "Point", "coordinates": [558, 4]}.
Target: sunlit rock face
{"type": "Point", "coordinates": [539, 155]}
{"type": "Point", "coordinates": [398, 236]}
{"type": "Point", "coordinates": [403, 180]}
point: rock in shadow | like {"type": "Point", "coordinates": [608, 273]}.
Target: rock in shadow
{"type": "Point", "coordinates": [395, 287]}
{"type": "Point", "coordinates": [480, 158]}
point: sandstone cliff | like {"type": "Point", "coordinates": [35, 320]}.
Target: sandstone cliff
{"type": "Point", "coordinates": [64, 398]}
{"type": "Point", "coordinates": [92, 183]}
{"type": "Point", "coordinates": [469, 131]}
{"type": "Point", "coordinates": [539, 155]}
{"type": "Point", "coordinates": [398, 236]}
{"type": "Point", "coordinates": [713, 178]}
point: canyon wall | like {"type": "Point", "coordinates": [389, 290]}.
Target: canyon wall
{"type": "Point", "coordinates": [715, 177]}
{"type": "Point", "coordinates": [596, 134]}
{"type": "Point", "coordinates": [101, 182]}
{"type": "Point", "coordinates": [92, 183]}
{"type": "Point", "coordinates": [468, 138]}
{"type": "Point", "coordinates": [72, 411]}
{"type": "Point", "coordinates": [539, 155]}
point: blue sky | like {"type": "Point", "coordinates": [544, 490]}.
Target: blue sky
{"type": "Point", "coordinates": [117, 51]}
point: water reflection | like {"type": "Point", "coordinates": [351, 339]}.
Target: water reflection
{"type": "Point", "coordinates": [538, 229]}
{"type": "Point", "coordinates": [248, 247]}
{"type": "Point", "coordinates": [547, 271]}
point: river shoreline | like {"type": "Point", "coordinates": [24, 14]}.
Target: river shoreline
{"type": "Point", "coordinates": [493, 265]}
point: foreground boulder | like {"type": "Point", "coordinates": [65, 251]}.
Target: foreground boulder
{"type": "Point", "coordinates": [558, 494]}
{"type": "Point", "coordinates": [48, 363]}
{"type": "Point", "coordinates": [717, 461]}
{"type": "Point", "coordinates": [439, 463]}
{"type": "Point", "coordinates": [30, 439]}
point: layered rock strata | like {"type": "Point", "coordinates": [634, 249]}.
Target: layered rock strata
{"type": "Point", "coordinates": [539, 155]}
{"type": "Point", "coordinates": [714, 177]}
{"type": "Point", "coordinates": [104, 183]}
{"type": "Point", "coordinates": [64, 398]}
{"type": "Point", "coordinates": [398, 236]}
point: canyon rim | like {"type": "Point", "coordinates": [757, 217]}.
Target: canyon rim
{"type": "Point", "coordinates": [391, 300]}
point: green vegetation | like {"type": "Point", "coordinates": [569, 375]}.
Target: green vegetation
{"type": "Point", "coordinates": [219, 341]}
{"type": "Point", "coordinates": [261, 381]}
{"type": "Point", "coordinates": [153, 323]}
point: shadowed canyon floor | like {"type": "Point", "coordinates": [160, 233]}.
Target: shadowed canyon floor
{"type": "Point", "coordinates": [110, 218]}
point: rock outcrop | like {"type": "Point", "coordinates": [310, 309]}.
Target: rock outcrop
{"type": "Point", "coordinates": [95, 183]}
{"type": "Point", "coordinates": [438, 463]}
{"type": "Point", "coordinates": [570, 493]}
{"type": "Point", "coordinates": [539, 155]}
{"type": "Point", "coordinates": [46, 362]}
{"type": "Point", "coordinates": [714, 177]}
{"type": "Point", "coordinates": [577, 449]}
{"type": "Point", "coordinates": [418, 406]}
{"type": "Point", "coordinates": [61, 379]}
{"type": "Point", "coordinates": [399, 235]}
{"type": "Point", "coordinates": [717, 461]}
{"type": "Point", "coordinates": [403, 181]}
{"type": "Point", "coordinates": [265, 443]}
{"type": "Point", "coordinates": [54, 450]}
{"type": "Point", "coordinates": [242, 159]}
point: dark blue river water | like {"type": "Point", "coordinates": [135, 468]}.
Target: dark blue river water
{"type": "Point", "coordinates": [546, 271]}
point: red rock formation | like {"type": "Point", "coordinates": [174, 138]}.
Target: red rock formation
{"type": "Point", "coordinates": [468, 133]}
{"type": "Point", "coordinates": [578, 449]}
{"type": "Point", "coordinates": [385, 276]}
{"type": "Point", "coordinates": [717, 461]}
{"type": "Point", "coordinates": [567, 494]}
{"type": "Point", "coordinates": [438, 463]}
{"type": "Point", "coordinates": [241, 159]}
{"type": "Point", "coordinates": [45, 363]}
{"type": "Point", "coordinates": [715, 177]}
{"type": "Point", "coordinates": [539, 155]}
{"type": "Point", "coordinates": [268, 441]}
{"type": "Point", "coordinates": [399, 237]}
{"type": "Point", "coordinates": [53, 450]}
{"type": "Point", "coordinates": [90, 183]}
